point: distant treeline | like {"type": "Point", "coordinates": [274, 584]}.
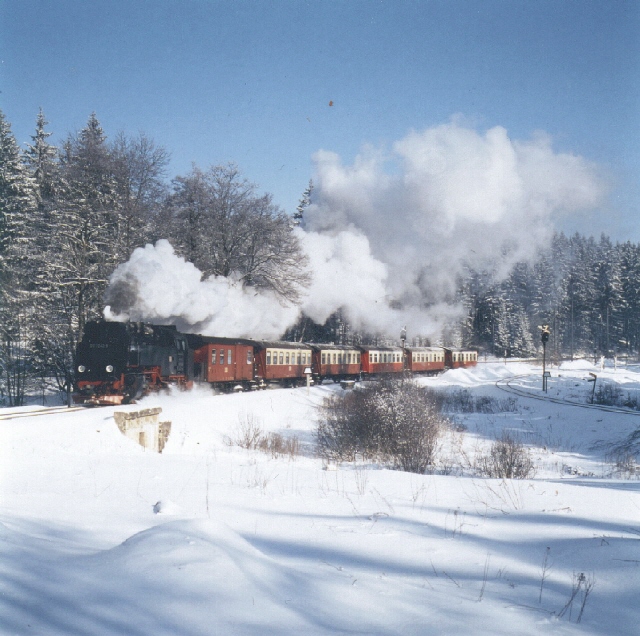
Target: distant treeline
{"type": "Point", "coordinates": [587, 291]}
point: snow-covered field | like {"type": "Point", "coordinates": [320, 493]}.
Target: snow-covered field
{"type": "Point", "coordinates": [99, 536]}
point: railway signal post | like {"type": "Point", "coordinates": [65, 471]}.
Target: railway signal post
{"type": "Point", "coordinates": [544, 336]}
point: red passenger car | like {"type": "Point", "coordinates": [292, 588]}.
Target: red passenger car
{"type": "Point", "coordinates": [282, 362]}
{"type": "Point", "coordinates": [335, 362]}
{"type": "Point", "coordinates": [378, 360]}
{"type": "Point", "coordinates": [224, 362]}
{"type": "Point", "coordinates": [425, 359]}
{"type": "Point", "coordinates": [460, 358]}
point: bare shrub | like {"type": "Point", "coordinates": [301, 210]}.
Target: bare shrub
{"type": "Point", "coordinates": [610, 394]}
{"type": "Point", "coordinates": [623, 463]}
{"type": "Point", "coordinates": [250, 435]}
{"type": "Point", "coordinates": [277, 445]}
{"type": "Point", "coordinates": [394, 422]}
{"type": "Point", "coordinates": [507, 459]}
{"type": "Point", "coordinates": [464, 401]}
{"type": "Point", "coordinates": [249, 431]}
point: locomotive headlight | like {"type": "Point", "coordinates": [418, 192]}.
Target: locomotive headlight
{"type": "Point", "coordinates": [82, 368]}
{"type": "Point", "coordinates": [109, 368]}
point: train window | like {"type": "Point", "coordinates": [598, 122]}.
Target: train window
{"type": "Point", "coordinates": [287, 357]}
{"type": "Point", "coordinates": [248, 356]}
{"type": "Point", "coordinates": [221, 356]}
{"type": "Point", "coordinates": [213, 356]}
{"type": "Point", "coordinates": [324, 358]}
{"type": "Point", "coordinates": [268, 357]}
{"type": "Point", "coordinates": [333, 358]}
{"type": "Point", "coordinates": [281, 358]}
{"type": "Point", "coordinates": [228, 356]}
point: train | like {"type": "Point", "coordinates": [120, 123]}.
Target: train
{"type": "Point", "coordinates": [119, 362]}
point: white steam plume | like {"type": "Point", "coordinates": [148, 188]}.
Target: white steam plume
{"type": "Point", "coordinates": [157, 286]}
{"type": "Point", "coordinates": [386, 237]}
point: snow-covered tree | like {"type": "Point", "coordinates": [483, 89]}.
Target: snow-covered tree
{"type": "Point", "coordinates": [17, 211]}
{"type": "Point", "coordinates": [139, 168]}
{"type": "Point", "coordinates": [303, 204]}
{"type": "Point", "coordinates": [220, 224]}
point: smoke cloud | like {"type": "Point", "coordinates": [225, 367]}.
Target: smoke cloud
{"type": "Point", "coordinates": [157, 286]}
{"type": "Point", "coordinates": [387, 237]}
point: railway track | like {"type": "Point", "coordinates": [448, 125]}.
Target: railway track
{"type": "Point", "coordinates": [51, 410]}
{"type": "Point", "coordinates": [505, 385]}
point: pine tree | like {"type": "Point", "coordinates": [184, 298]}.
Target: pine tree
{"type": "Point", "coordinates": [303, 204]}
{"type": "Point", "coordinates": [80, 254]}
{"type": "Point", "coordinates": [17, 206]}
{"type": "Point", "coordinates": [84, 226]}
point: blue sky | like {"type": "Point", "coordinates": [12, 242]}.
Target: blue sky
{"type": "Point", "coordinates": [252, 82]}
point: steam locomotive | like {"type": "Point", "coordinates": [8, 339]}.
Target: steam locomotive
{"type": "Point", "coordinates": [117, 363]}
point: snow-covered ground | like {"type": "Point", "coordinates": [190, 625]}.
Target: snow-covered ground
{"type": "Point", "coordinates": [99, 536]}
